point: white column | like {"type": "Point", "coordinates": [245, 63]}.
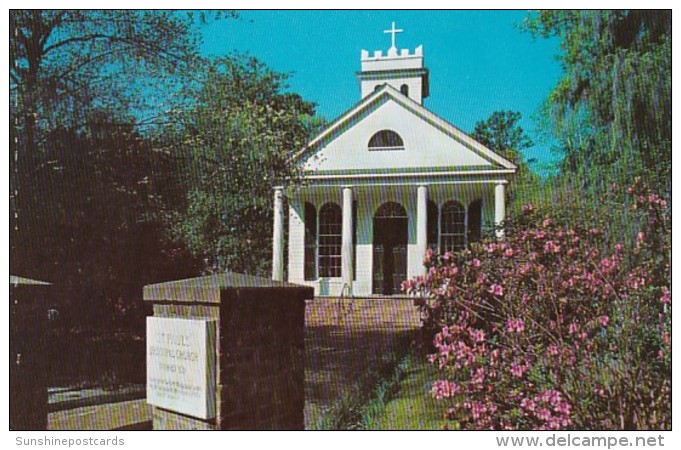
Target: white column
{"type": "Point", "coordinates": [422, 226]}
{"type": "Point", "coordinates": [347, 244]}
{"type": "Point", "coordinates": [278, 236]}
{"type": "Point", "coordinates": [499, 206]}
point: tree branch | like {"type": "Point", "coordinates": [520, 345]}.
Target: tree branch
{"type": "Point", "coordinates": [72, 40]}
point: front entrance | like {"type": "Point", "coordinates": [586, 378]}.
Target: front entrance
{"type": "Point", "coordinates": [390, 249]}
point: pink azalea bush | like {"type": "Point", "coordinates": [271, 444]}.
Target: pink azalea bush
{"type": "Point", "coordinates": [553, 328]}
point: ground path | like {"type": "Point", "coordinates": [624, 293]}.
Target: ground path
{"type": "Point", "coordinates": [343, 337]}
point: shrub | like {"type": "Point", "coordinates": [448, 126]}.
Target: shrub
{"type": "Point", "coordinates": [552, 329]}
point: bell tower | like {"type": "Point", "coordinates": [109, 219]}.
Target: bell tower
{"type": "Point", "coordinates": [400, 69]}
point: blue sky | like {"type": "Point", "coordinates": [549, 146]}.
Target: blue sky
{"type": "Point", "coordinates": [479, 61]}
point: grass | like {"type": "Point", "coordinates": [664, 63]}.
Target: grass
{"type": "Point", "coordinates": [361, 401]}
{"type": "Point", "coordinates": [395, 396]}
{"type": "Point", "coordinates": [352, 346]}
{"type": "Point", "coordinates": [411, 407]}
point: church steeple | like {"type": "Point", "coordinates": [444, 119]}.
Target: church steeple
{"type": "Point", "coordinates": [402, 70]}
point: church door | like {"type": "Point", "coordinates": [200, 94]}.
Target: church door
{"type": "Point", "coordinates": [390, 249]}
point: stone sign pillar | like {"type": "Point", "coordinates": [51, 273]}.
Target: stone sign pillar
{"type": "Point", "coordinates": [28, 354]}
{"type": "Point", "coordinates": [226, 352]}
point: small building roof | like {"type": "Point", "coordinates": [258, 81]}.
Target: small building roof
{"type": "Point", "coordinates": [16, 281]}
{"type": "Point", "coordinates": [208, 288]}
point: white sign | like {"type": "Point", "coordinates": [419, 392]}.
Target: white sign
{"type": "Point", "coordinates": [181, 365]}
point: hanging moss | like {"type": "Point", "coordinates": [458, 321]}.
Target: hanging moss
{"type": "Point", "coordinates": [611, 113]}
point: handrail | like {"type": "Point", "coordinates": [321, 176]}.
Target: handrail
{"type": "Point", "coordinates": [346, 292]}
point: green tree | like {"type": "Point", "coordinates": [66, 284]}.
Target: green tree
{"type": "Point", "coordinates": [233, 147]}
{"type": "Point", "coordinates": [66, 66]}
{"type": "Point", "coordinates": [502, 133]}
{"type": "Point", "coordinates": [611, 112]}
{"type": "Point", "coordinates": [63, 63]}
{"type": "Point", "coordinates": [85, 183]}
{"type": "Point", "coordinates": [94, 228]}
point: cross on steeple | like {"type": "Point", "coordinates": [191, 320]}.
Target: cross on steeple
{"type": "Point", "coordinates": [393, 31]}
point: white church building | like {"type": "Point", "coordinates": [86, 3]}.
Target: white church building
{"type": "Point", "coordinates": [383, 183]}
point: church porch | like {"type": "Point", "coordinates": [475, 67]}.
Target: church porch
{"type": "Point", "coordinates": [365, 238]}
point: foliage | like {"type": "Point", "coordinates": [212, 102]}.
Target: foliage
{"type": "Point", "coordinates": [64, 63]}
{"type": "Point", "coordinates": [410, 408]}
{"type": "Point", "coordinates": [90, 224]}
{"type": "Point", "coordinates": [86, 185]}
{"type": "Point", "coordinates": [550, 329]}
{"type": "Point", "coordinates": [233, 147]}
{"type": "Point", "coordinates": [611, 113]}
{"type": "Point", "coordinates": [502, 133]}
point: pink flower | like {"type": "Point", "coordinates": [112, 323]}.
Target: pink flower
{"type": "Point", "coordinates": [444, 389]}
{"type": "Point", "coordinates": [475, 262]}
{"type": "Point", "coordinates": [666, 296]}
{"type": "Point", "coordinates": [527, 404]}
{"type": "Point", "coordinates": [496, 289]}
{"type": "Point", "coordinates": [429, 256]}
{"type": "Point", "coordinates": [573, 328]}
{"type": "Point", "coordinates": [517, 370]}
{"type": "Point", "coordinates": [517, 325]}
{"type": "Point", "coordinates": [478, 335]}
{"type": "Point", "coordinates": [606, 264]}
{"type": "Point", "coordinates": [546, 223]}
{"type": "Point", "coordinates": [551, 247]}
{"type": "Point", "coordinates": [604, 320]}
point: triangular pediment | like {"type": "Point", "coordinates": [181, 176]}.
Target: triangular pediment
{"type": "Point", "coordinates": [430, 144]}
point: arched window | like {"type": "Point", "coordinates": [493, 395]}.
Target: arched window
{"type": "Point", "coordinates": [404, 89]}
{"type": "Point", "coordinates": [330, 240]}
{"type": "Point", "coordinates": [452, 227]}
{"type": "Point", "coordinates": [391, 210]}
{"type": "Point", "coordinates": [310, 241]}
{"type": "Point", "coordinates": [386, 140]}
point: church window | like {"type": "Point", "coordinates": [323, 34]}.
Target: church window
{"type": "Point", "coordinates": [452, 227]}
{"type": "Point", "coordinates": [330, 240]}
{"type": "Point", "coordinates": [404, 89]}
{"type": "Point", "coordinates": [391, 210]}
{"type": "Point", "coordinates": [310, 242]}
{"type": "Point", "coordinates": [386, 140]}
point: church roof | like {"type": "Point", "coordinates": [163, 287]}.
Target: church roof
{"type": "Point", "coordinates": [431, 144]}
